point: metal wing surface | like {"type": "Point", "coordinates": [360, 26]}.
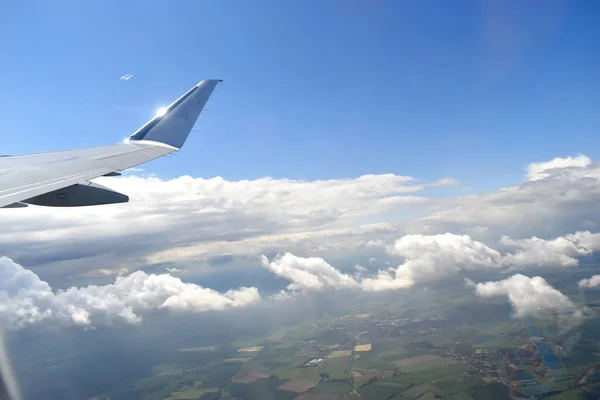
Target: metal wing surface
{"type": "Point", "coordinates": [60, 178]}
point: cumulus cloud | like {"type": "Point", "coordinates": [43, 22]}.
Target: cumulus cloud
{"type": "Point", "coordinates": [527, 295]}
{"type": "Point", "coordinates": [359, 268]}
{"type": "Point", "coordinates": [181, 212]}
{"type": "Point", "coordinates": [592, 282]}
{"type": "Point", "coordinates": [308, 274]}
{"type": "Point", "coordinates": [100, 272]}
{"type": "Point", "coordinates": [188, 221]}
{"type": "Point", "coordinates": [431, 257]}
{"type": "Point", "coordinates": [567, 201]}
{"type": "Point", "coordinates": [25, 299]}
{"type": "Point", "coordinates": [559, 252]}
{"type": "Point", "coordinates": [543, 170]}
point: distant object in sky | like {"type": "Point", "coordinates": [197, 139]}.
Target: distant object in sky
{"type": "Point", "coordinates": [126, 77]}
{"type": "Point", "coordinates": [62, 178]}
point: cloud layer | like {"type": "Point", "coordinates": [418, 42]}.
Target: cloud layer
{"type": "Point", "coordinates": [25, 299]}
{"type": "Point", "coordinates": [321, 229]}
{"type": "Point", "coordinates": [192, 220]}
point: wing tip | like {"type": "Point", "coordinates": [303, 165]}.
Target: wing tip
{"type": "Point", "coordinates": [156, 131]}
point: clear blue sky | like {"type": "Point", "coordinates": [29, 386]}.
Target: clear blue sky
{"type": "Point", "coordinates": [313, 89]}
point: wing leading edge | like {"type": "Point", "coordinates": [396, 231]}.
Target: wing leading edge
{"type": "Point", "coordinates": [61, 178]}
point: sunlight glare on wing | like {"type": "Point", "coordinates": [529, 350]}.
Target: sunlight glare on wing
{"type": "Point", "coordinates": [161, 111]}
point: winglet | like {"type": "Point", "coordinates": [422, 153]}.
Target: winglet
{"type": "Point", "coordinates": [174, 125]}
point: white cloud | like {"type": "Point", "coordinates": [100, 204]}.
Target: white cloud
{"type": "Point", "coordinates": [173, 270]}
{"type": "Point", "coordinates": [478, 230]}
{"type": "Point", "coordinates": [543, 170]}
{"type": "Point", "coordinates": [93, 273]}
{"type": "Point", "coordinates": [359, 268]}
{"type": "Point", "coordinates": [445, 182]}
{"type": "Point", "coordinates": [172, 214]}
{"type": "Point", "coordinates": [559, 252]}
{"type": "Point", "coordinates": [308, 274]}
{"type": "Point", "coordinates": [527, 295]}
{"type": "Point", "coordinates": [566, 202]}
{"type": "Point", "coordinates": [592, 282]}
{"type": "Point", "coordinates": [187, 221]}
{"type": "Point", "coordinates": [126, 77]}
{"type": "Point", "coordinates": [25, 299]}
{"type": "Point", "coordinates": [431, 257]}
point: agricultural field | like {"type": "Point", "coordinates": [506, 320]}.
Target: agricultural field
{"type": "Point", "coordinates": [360, 355]}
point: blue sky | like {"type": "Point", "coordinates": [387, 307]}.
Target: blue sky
{"type": "Point", "coordinates": [313, 89]}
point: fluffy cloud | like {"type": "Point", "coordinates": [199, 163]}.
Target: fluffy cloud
{"type": "Point", "coordinates": [186, 211]}
{"type": "Point", "coordinates": [592, 282]}
{"type": "Point", "coordinates": [186, 222]}
{"type": "Point", "coordinates": [25, 299]}
{"type": "Point", "coordinates": [543, 170]}
{"type": "Point", "coordinates": [527, 295]}
{"type": "Point", "coordinates": [431, 257]}
{"type": "Point", "coordinates": [308, 274]}
{"type": "Point", "coordinates": [566, 201]}
{"type": "Point", "coordinates": [559, 252]}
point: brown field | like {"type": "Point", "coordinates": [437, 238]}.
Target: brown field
{"type": "Point", "coordinates": [250, 349]}
{"type": "Point", "coordinates": [361, 316]}
{"type": "Point", "coordinates": [363, 347]}
{"type": "Point", "coordinates": [248, 377]}
{"type": "Point", "coordinates": [298, 385]}
{"type": "Point", "coordinates": [318, 396]}
{"type": "Point", "coordinates": [416, 360]}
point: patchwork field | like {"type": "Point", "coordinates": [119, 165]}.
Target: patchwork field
{"type": "Point", "coordinates": [335, 367]}
{"type": "Point", "coordinates": [192, 393]}
{"type": "Point", "coordinates": [339, 353]}
{"type": "Point", "coordinates": [407, 362]}
{"type": "Point", "coordinates": [298, 385]}
{"type": "Point", "coordinates": [363, 357]}
{"type": "Point", "coordinates": [248, 376]}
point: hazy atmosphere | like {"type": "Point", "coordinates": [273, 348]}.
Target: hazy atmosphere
{"type": "Point", "coordinates": [383, 200]}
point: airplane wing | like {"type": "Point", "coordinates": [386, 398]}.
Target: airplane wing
{"type": "Point", "coordinates": [61, 178]}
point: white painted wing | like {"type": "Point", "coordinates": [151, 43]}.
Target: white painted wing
{"type": "Point", "coordinates": [27, 176]}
